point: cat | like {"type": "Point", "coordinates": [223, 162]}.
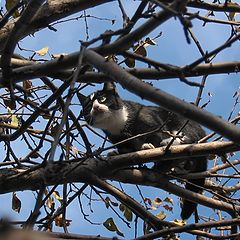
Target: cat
{"type": "Point", "coordinates": [121, 120]}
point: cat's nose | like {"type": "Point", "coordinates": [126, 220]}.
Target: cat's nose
{"type": "Point", "coordinates": [96, 108]}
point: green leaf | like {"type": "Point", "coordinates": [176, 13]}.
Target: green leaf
{"type": "Point", "coordinates": [130, 62]}
{"type": "Point", "coordinates": [111, 226]}
{"type": "Point", "coordinates": [140, 50]}
{"type": "Point", "coordinates": [127, 213]}
{"type": "Point", "coordinates": [122, 207]}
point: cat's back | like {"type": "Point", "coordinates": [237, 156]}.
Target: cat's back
{"type": "Point", "coordinates": [152, 115]}
{"type": "Point", "coordinates": [141, 115]}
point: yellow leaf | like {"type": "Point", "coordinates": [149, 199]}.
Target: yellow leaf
{"type": "Point", "coordinates": [126, 212]}
{"type": "Point", "coordinates": [107, 202]}
{"type": "Point", "coordinates": [157, 201]}
{"type": "Point", "coordinates": [168, 200]}
{"type": "Point", "coordinates": [180, 222]}
{"type": "Point", "coordinates": [50, 202]}
{"type": "Point", "coordinates": [161, 215]}
{"type": "Point", "coordinates": [42, 51]}
{"type": "Point", "coordinates": [57, 196]}
{"type": "Point", "coordinates": [14, 121]}
{"type": "Point", "coordinates": [153, 208]}
{"type": "Point", "coordinates": [148, 41]}
{"type": "Point", "coordinates": [122, 207]}
{"type": "Point", "coordinates": [75, 150]}
{"type": "Point", "coordinates": [60, 222]}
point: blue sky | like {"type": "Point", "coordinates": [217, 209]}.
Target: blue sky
{"type": "Point", "coordinates": [171, 48]}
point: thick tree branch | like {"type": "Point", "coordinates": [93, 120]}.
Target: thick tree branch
{"type": "Point", "coordinates": [76, 161]}
{"type": "Point", "coordinates": [17, 234]}
{"type": "Point", "coordinates": [64, 172]}
{"type": "Point", "coordinates": [17, 32]}
{"type": "Point", "coordinates": [211, 6]}
{"type": "Point", "coordinates": [51, 69]}
{"type": "Point", "coordinates": [162, 98]}
{"type": "Point", "coordinates": [175, 152]}
{"type": "Point", "coordinates": [60, 173]}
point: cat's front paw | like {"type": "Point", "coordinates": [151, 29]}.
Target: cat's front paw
{"type": "Point", "coordinates": [146, 146]}
{"type": "Point", "coordinates": [112, 153]}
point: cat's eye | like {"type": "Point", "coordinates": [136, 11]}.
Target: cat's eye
{"type": "Point", "coordinates": [102, 99]}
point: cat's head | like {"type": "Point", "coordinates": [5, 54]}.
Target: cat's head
{"type": "Point", "coordinates": [101, 107]}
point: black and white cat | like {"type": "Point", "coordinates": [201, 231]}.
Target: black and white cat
{"type": "Point", "coordinates": [121, 120]}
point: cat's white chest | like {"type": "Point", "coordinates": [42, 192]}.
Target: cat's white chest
{"type": "Point", "coordinates": [117, 121]}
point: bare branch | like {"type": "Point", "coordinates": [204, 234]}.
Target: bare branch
{"type": "Point", "coordinates": [162, 98]}
{"type": "Point", "coordinates": [17, 32]}
{"type": "Point", "coordinates": [195, 226]}
{"type": "Point", "coordinates": [51, 69]}
{"type": "Point", "coordinates": [50, 12]}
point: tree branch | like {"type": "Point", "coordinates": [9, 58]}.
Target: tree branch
{"type": "Point", "coordinates": [51, 69]}
{"type": "Point", "coordinates": [194, 226]}
{"type": "Point", "coordinates": [66, 172]}
{"type": "Point", "coordinates": [50, 12]}
{"type": "Point", "coordinates": [210, 6]}
{"type": "Point", "coordinates": [17, 32]}
{"type": "Point", "coordinates": [162, 98]}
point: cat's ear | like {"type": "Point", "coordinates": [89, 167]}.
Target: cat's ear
{"type": "Point", "coordinates": [109, 86]}
{"type": "Point", "coordinates": [81, 98]}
